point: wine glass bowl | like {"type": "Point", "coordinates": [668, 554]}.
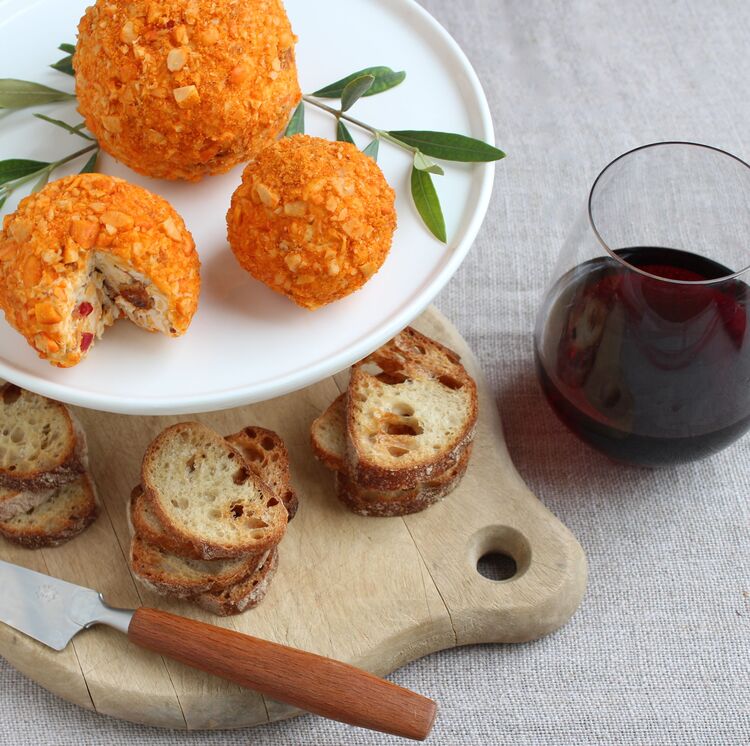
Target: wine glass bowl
{"type": "Point", "coordinates": [642, 343]}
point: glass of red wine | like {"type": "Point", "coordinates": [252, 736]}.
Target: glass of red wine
{"type": "Point", "coordinates": [643, 341]}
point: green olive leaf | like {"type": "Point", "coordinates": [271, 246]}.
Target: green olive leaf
{"type": "Point", "coordinates": [3, 198]}
{"type": "Point", "coordinates": [343, 134]}
{"type": "Point", "coordinates": [65, 65]}
{"type": "Point", "coordinates": [385, 79]}
{"type": "Point", "coordinates": [427, 203]}
{"type": "Point", "coordinates": [67, 127]}
{"type": "Point", "coordinates": [18, 94]}
{"type": "Point", "coordinates": [448, 146]}
{"type": "Point", "coordinates": [423, 163]}
{"type": "Point", "coordinates": [90, 165]}
{"type": "Point", "coordinates": [42, 182]}
{"type": "Point", "coordinates": [296, 124]}
{"type": "Point", "coordinates": [18, 168]}
{"type": "Point", "coordinates": [372, 149]}
{"type": "Point", "coordinates": [355, 90]}
{"type": "Point", "coordinates": [69, 48]}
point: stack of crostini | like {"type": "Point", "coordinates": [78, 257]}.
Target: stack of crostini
{"type": "Point", "coordinates": [47, 496]}
{"type": "Point", "coordinates": [400, 438]}
{"type": "Point", "coordinates": [209, 514]}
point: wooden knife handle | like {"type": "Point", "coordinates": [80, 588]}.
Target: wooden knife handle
{"type": "Point", "coordinates": [321, 685]}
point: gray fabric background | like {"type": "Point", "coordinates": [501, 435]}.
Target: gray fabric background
{"type": "Point", "coordinates": [660, 651]}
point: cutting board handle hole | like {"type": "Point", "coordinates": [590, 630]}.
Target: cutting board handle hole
{"type": "Point", "coordinates": [497, 566]}
{"type": "Point", "coordinates": [500, 553]}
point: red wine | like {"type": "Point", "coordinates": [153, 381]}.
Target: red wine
{"type": "Point", "coordinates": [649, 372]}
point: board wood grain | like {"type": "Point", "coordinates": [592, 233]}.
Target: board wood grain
{"type": "Point", "coordinates": [373, 592]}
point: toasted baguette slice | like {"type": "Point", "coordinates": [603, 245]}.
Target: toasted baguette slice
{"type": "Point", "coordinates": [393, 503]}
{"type": "Point", "coordinates": [71, 509]}
{"type": "Point", "coordinates": [202, 491]}
{"type": "Point", "coordinates": [328, 435]}
{"type": "Point", "coordinates": [41, 445]}
{"type": "Point", "coordinates": [13, 502]}
{"type": "Point", "coordinates": [411, 411]}
{"type": "Point", "coordinates": [168, 574]}
{"type": "Point", "coordinates": [244, 595]}
{"type": "Point", "coordinates": [265, 453]}
{"type": "Point", "coordinates": [328, 438]}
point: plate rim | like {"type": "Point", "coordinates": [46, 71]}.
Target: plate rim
{"type": "Point", "coordinates": [240, 396]}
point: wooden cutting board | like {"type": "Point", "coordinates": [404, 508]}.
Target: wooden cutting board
{"type": "Point", "coordinates": [377, 593]}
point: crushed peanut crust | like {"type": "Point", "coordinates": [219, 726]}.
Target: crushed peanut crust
{"type": "Point", "coordinates": [178, 89]}
{"type": "Point", "coordinates": [313, 219]}
{"type": "Point", "coordinates": [47, 255]}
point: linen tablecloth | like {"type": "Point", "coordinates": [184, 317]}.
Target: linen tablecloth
{"type": "Point", "coordinates": [659, 653]}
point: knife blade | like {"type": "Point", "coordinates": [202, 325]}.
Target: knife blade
{"type": "Point", "coordinates": [54, 611]}
{"type": "Point", "coordinates": [50, 610]}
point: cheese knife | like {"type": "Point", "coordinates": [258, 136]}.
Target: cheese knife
{"type": "Point", "coordinates": [54, 611]}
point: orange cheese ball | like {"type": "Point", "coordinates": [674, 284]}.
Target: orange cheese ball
{"type": "Point", "coordinates": [87, 250]}
{"type": "Point", "coordinates": [177, 89]}
{"type": "Point", "coordinates": [312, 219]}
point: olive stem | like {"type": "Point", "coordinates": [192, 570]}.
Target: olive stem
{"type": "Point", "coordinates": [380, 134]}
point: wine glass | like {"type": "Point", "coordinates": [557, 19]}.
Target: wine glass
{"type": "Point", "coordinates": [642, 342]}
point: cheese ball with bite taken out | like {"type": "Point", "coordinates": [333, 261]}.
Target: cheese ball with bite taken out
{"type": "Point", "coordinates": [87, 250]}
{"type": "Point", "coordinates": [312, 219]}
{"type": "Point", "coordinates": [178, 89]}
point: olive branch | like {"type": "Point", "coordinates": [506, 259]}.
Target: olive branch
{"type": "Point", "coordinates": [424, 146]}
{"type": "Point", "coordinates": [22, 94]}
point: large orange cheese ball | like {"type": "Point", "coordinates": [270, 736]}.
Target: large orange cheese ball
{"type": "Point", "coordinates": [177, 89]}
{"type": "Point", "coordinates": [312, 219]}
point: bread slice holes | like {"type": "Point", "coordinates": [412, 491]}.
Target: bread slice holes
{"type": "Point", "coordinates": [372, 369]}
{"type": "Point", "coordinates": [267, 443]}
{"type": "Point", "coordinates": [397, 451]}
{"type": "Point", "coordinates": [241, 475]}
{"type": "Point", "coordinates": [403, 427]}
{"type": "Point", "coordinates": [237, 510]}
{"type": "Point", "coordinates": [11, 394]}
{"type": "Point", "coordinates": [17, 435]}
{"type": "Point", "coordinates": [190, 464]}
{"type": "Point", "coordinates": [392, 378]}
{"type": "Point", "coordinates": [402, 409]}
{"type": "Point", "coordinates": [273, 502]}
{"type": "Point", "coordinates": [256, 523]}
{"type": "Point", "coordinates": [251, 433]}
{"type": "Point", "coordinates": [450, 382]}
{"type": "Point", "coordinates": [253, 454]}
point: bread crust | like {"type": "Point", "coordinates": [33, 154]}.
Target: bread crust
{"type": "Point", "coordinates": [206, 548]}
{"type": "Point", "coordinates": [412, 356]}
{"type": "Point", "coordinates": [244, 595]}
{"type": "Point", "coordinates": [145, 523]}
{"type": "Point", "coordinates": [145, 561]}
{"type": "Point", "coordinates": [70, 465]}
{"type": "Point", "coordinates": [372, 504]}
{"type": "Point", "coordinates": [81, 515]}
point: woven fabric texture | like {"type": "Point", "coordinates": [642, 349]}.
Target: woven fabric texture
{"type": "Point", "coordinates": [659, 652]}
